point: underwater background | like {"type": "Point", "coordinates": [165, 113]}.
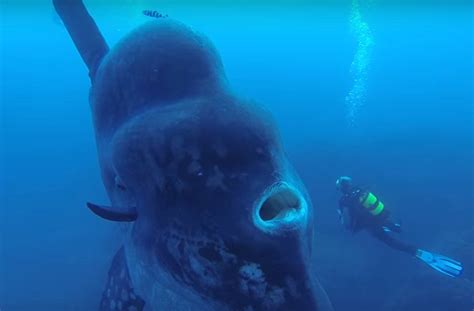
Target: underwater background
{"type": "Point", "coordinates": [381, 91]}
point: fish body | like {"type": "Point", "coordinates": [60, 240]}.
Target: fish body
{"type": "Point", "coordinates": [218, 219]}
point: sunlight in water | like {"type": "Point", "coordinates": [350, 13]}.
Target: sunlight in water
{"type": "Point", "coordinates": [360, 64]}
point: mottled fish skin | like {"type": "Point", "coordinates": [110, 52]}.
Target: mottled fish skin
{"type": "Point", "coordinates": [118, 294]}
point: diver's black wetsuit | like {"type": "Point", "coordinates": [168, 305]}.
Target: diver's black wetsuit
{"type": "Point", "coordinates": [380, 226]}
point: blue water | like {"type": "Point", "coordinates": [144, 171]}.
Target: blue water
{"type": "Point", "coordinates": [411, 142]}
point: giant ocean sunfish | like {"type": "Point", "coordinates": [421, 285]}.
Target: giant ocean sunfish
{"type": "Point", "coordinates": [218, 218]}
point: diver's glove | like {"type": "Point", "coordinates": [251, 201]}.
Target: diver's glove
{"type": "Point", "coordinates": [441, 263]}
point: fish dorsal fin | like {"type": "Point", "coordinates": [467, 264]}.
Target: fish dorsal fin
{"type": "Point", "coordinates": [83, 31]}
{"type": "Point", "coordinates": [112, 213]}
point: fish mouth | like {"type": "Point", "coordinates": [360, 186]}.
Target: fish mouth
{"type": "Point", "coordinates": [281, 206]}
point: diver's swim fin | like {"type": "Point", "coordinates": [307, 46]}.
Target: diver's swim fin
{"type": "Point", "coordinates": [114, 214]}
{"type": "Point", "coordinates": [440, 263]}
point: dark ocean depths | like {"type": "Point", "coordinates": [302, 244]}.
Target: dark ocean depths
{"type": "Point", "coordinates": [411, 141]}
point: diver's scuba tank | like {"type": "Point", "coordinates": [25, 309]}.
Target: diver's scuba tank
{"type": "Point", "coordinates": [371, 203]}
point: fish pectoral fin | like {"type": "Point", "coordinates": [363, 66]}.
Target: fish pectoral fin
{"type": "Point", "coordinates": [112, 213]}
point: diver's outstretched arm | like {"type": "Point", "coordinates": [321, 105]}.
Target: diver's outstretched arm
{"type": "Point", "coordinates": [84, 32]}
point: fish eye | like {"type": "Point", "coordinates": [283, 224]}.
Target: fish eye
{"type": "Point", "coordinates": [195, 169]}
{"type": "Point", "coordinates": [119, 184]}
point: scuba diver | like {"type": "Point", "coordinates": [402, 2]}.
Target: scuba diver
{"type": "Point", "coordinates": [360, 209]}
